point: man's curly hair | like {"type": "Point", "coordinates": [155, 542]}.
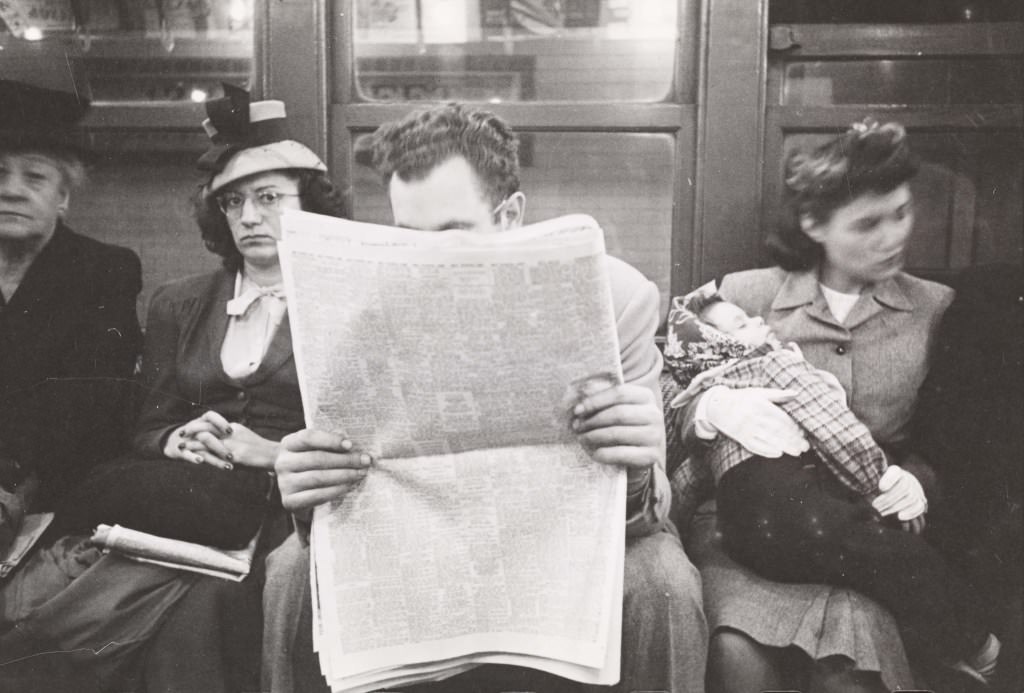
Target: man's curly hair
{"type": "Point", "coordinates": [413, 146]}
{"type": "Point", "coordinates": [866, 159]}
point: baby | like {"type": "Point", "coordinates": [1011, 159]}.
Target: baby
{"type": "Point", "coordinates": [714, 342]}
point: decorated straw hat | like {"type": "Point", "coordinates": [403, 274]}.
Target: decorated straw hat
{"type": "Point", "coordinates": [249, 138]}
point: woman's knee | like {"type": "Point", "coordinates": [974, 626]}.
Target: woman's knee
{"type": "Point", "coordinates": [732, 647]}
{"type": "Point", "coordinates": [838, 675]}
{"type": "Point", "coordinates": [737, 662]}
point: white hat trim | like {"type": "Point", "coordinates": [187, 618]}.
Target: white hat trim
{"type": "Point", "coordinates": [266, 110]}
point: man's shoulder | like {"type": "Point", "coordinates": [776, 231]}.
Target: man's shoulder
{"type": "Point", "coordinates": [628, 283]}
{"type": "Point", "coordinates": [754, 290]}
{"type": "Point", "coordinates": [754, 282]}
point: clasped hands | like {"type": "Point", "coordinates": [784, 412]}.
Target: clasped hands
{"type": "Point", "coordinates": [212, 439]}
{"type": "Point", "coordinates": [617, 424]}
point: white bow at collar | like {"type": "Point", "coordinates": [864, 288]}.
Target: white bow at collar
{"type": "Point", "coordinates": [239, 305]}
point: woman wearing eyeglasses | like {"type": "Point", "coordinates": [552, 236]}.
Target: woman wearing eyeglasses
{"type": "Point", "coordinates": [220, 377]}
{"type": "Point", "coordinates": [218, 373]}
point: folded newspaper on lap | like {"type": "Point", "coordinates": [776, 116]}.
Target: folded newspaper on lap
{"type": "Point", "coordinates": [172, 553]}
{"type": "Point", "coordinates": [483, 533]}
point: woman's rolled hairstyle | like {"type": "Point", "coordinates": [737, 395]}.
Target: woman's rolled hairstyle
{"type": "Point", "coordinates": [868, 158]}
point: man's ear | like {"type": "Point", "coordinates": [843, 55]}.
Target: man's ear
{"type": "Point", "coordinates": [811, 228]}
{"type": "Point", "coordinates": [514, 211]}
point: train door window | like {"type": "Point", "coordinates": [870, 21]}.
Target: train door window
{"type": "Point", "coordinates": [623, 180]}
{"type": "Point", "coordinates": [602, 92]}
{"type": "Point", "coordinates": [150, 65]}
{"type": "Point", "coordinates": [951, 72]}
{"type": "Point", "coordinates": [146, 50]}
{"type": "Point", "coordinates": [522, 50]}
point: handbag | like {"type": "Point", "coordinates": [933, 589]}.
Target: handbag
{"type": "Point", "coordinates": [198, 503]}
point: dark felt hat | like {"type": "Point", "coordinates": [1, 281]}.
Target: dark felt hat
{"type": "Point", "coordinates": [43, 97]}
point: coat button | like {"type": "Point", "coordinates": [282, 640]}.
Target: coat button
{"type": "Point", "coordinates": [840, 350]}
{"type": "Point", "coordinates": [240, 395]}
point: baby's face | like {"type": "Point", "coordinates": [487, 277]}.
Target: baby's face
{"type": "Point", "coordinates": [733, 321]}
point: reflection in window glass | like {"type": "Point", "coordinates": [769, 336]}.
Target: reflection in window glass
{"type": "Point", "coordinates": [979, 81]}
{"type": "Point", "coordinates": [623, 181]}
{"type": "Point", "coordinates": [515, 50]}
{"type": "Point", "coordinates": [144, 50]}
{"type": "Point", "coordinates": [967, 197]}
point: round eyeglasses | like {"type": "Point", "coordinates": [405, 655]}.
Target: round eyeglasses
{"type": "Point", "coordinates": [267, 200]}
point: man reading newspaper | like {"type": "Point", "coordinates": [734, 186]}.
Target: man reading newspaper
{"type": "Point", "coordinates": [453, 167]}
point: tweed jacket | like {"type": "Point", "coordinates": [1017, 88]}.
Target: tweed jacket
{"type": "Point", "coordinates": [880, 354]}
{"type": "Point", "coordinates": [182, 372]}
{"type": "Point", "coordinates": [69, 340]}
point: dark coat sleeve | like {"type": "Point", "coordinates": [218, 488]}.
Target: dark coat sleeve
{"type": "Point", "coordinates": [80, 412]}
{"type": "Point", "coordinates": [968, 421]}
{"type": "Point", "coordinates": [164, 408]}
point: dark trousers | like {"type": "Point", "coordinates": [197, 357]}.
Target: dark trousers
{"type": "Point", "coordinates": [791, 521]}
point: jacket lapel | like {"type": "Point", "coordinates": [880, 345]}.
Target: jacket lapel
{"type": "Point", "coordinates": [886, 295]}
{"type": "Point", "coordinates": [801, 289]}
{"type": "Point", "coordinates": [218, 322]}
{"type": "Point", "coordinates": [278, 353]}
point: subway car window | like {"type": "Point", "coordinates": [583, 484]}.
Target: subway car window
{"type": "Point", "coordinates": [951, 72]}
{"type": "Point", "coordinates": [149, 65]}
{"type": "Point", "coordinates": [921, 81]}
{"type": "Point", "coordinates": [526, 50]}
{"type": "Point", "coordinates": [146, 50]}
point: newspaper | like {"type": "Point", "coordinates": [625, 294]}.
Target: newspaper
{"type": "Point", "coordinates": [483, 533]}
{"type": "Point", "coordinates": [172, 553]}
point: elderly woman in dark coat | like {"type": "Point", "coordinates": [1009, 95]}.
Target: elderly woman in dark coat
{"type": "Point", "coordinates": [69, 335]}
